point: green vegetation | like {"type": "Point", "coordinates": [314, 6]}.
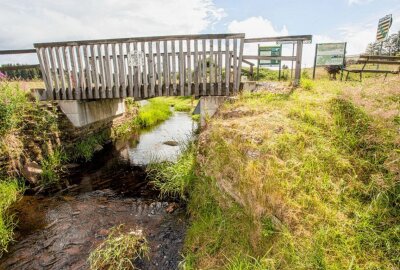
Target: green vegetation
{"type": "Point", "coordinates": [10, 191]}
{"type": "Point", "coordinates": [153, 113]}
{"type": "Point", "coordinates": [119, 250]}
{"type": "Point", "coordinates": [266, 74]}
{"type": "Point", "coordinates": [307, 84]}
{"type": "Point", "coordinates": [301, 181]}
{"type": "Point", "coordinates": [51, 167]}
{"type": "Point", "coordinates": [86, 148]}
{"type": "Point", "coordinates": [173, 179]}
{"type": "Point", "coordinates": [180, 104]}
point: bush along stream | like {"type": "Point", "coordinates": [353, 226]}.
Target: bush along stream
{"type": "Point", "coordinates": [90, 206]}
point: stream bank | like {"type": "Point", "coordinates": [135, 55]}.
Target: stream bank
{"type": "Point", "coordinates": [59, 232]}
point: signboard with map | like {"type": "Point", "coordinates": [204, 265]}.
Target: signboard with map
{"type": "Point", "coordinates": [330, 54]}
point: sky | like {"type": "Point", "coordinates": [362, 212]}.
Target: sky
{"type": "Point", "coordinates": [24, 22]}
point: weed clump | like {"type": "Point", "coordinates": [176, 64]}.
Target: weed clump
{"type": "Point", "coordinates": [120, 250]}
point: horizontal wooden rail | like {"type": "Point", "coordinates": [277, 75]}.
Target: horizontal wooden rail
{"type": "Point", "coordinates": [140, 39]}
{"type": "Point", "coordinates": [383, 62]}
{"type": "Point", "coordinates": [25, 51]}
{"type": "Point", "coordinates": [303, 38]}
{"type": "Point", "coordinates": [283, 58]}
{"type": "Point", "coordinates": [8, 68]}
{"type": "Point", "coordinates": [379, 57]}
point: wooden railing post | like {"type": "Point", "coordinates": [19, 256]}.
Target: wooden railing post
{"type": "Point", "coordinates": [299, 54]}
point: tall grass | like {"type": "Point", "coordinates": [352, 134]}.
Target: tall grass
{"type": "Point", "coordinates": [301, 181]}
{"type": "Point", "coordinates": [10, 191]}
{"type": "Point", "coordinates": [174, 179]}
{"type": "Point", "coordinates": [13, 102]}
{"type": "Point", "coordinates": [51, 167]}
{"type": "Point", "coordinates": [156, 111]}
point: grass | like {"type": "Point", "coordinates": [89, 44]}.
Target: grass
{"type": "Point", "coordinates": [51, 167]}
{"type": "Point", "coordinates": [302, 181]}
{"type": "Point", "coordinates": [120, 250]}
{"type": "Point", "coordinates": [180, 104]}
{"type": "Point", "coordinates": [155, 112]}
{"type": "Point", "coordinates": [266, 74]}
{"type": "Point", "coordinates": [85, 149]}
{"type": "Point", "coordinates": [10, 191]}
{"type": "Point", "coordinates": [174, 179]}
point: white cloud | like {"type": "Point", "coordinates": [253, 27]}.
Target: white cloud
{"type": "Point", "coordinates": [351, 2]}
{"type": "Point", "coordinates": [262, 27]}
{"type": "Point", "coordinates": [256, 27]}
{"type": "Point", "coordinates": [25, 22]}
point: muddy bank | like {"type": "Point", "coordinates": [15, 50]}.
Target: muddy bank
{"type": "Point", "coordinates": [59, 233]}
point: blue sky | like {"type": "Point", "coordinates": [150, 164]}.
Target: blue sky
{"type": "Point", "coordinates": [308, 17]}
{"type": "Point", "coordinates": [353, 21]}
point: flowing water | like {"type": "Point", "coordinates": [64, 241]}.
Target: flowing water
{"type": "Point", "coordinates": [59, 231]}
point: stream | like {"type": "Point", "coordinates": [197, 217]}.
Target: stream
{"type": "Point", "coordinates": [59, 231]}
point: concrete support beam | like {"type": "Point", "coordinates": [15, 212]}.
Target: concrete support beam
{"type": "Point", "coordinates": [85, 112]}
{"type": "Point", "coordinates": [209, 106]}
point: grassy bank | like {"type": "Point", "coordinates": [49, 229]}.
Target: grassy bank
{"type": "Point", "coordinates": [10, 191]}
{"type": "Point", "coordinates": [308, 180]}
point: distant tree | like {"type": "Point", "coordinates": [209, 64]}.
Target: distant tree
{"type": "Point", "coordinates": [22, 74]}
{"type": "Point", "coordinates": [391, 46]}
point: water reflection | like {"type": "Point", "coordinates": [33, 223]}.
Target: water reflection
{"type": "Point", "coordinates": [151, 146]}
{"type": "Point", "coordinates": [120, 166]}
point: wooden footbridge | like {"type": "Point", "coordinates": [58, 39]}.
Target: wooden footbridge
{"type": "Point", "coordinates": [144, 67]}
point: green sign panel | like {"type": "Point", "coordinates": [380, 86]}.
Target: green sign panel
{"type": "Point", "coordinates": [383, 27]}
{"type": "Point", "coordinates": [330, 54]}
{"type": "Point", "coordinates": [269, 51]}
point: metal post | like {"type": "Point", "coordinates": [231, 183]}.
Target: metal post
{"type": "Point", "coordinates": [299, 54]}
{"type": "Point", "coordinates": [315, 61]}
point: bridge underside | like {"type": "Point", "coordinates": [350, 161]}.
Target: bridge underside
{"type": "Point", "coordinates": [142, 92]}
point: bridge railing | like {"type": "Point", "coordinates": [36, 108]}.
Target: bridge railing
{"type": "Point", "coordinates": [142, 67]}
{"type": "Point", "coordinates": [296, 40]}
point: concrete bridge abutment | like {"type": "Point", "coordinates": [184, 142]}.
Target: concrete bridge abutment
{"type": "Point", "coordinates": [207, 107]}
{"type": "Point", "coordinates": [85, 112]}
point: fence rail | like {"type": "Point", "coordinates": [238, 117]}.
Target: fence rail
{"type": "Point", "coordinates": [298, 40]}
{"type": "Point", "coordinates": [17, 67]}
{"type": "Point", "coordinates": [142, 67]}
